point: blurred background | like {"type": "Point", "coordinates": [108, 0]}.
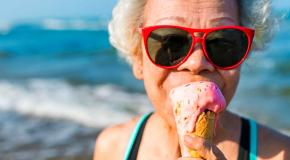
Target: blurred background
{"type": "Point", "coordinates": [61, 81]}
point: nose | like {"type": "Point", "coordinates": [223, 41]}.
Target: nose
{"type": "Point", "coordinates": [196, 62]}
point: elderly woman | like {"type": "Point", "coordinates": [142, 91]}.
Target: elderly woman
{"type": "Point", "coordinates": [174, 42]}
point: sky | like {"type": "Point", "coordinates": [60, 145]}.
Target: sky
{"type": "Point", "coordinates": [15, 10]}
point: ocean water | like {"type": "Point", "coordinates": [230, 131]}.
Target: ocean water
{"type": "Point", "coordinates": [61, 82]}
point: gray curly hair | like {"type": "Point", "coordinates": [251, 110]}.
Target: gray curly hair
{"type": "Point", "coordinates": [127, 17]}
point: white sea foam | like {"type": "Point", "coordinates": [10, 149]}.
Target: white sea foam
{"type": "Point", "coordinates": [57, 24]}
{"type": "Point", "coordinates": [103, 105]}
{"type": "Point", "coordinates": [94, 106]}
{"type": "Point", "coordinates": [75, 24]}
{"type": "Point", "coordinates": [5, 27]}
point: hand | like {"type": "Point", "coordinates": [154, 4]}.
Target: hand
{"type": "Point", "coordinates": [206, 149]}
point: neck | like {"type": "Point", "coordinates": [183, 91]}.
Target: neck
{"type": "Point", "coordinates": [170, 135]}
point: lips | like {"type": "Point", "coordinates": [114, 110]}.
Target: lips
{"type": "Point", "coordinates": [197, 80]}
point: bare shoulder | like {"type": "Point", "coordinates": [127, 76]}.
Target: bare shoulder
{"type": "Point", "coordinates": [114, 139]}
{"type": "Point", "coordinates": [272, 144]}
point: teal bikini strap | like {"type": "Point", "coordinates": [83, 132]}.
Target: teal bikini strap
{"type": "Point", "coordinates": [134, 135]}
{"type": "Point", "coordinates": [253, 140]}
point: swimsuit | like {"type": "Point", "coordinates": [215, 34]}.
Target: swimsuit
{"type": "Point", "coordinates": [247, 149]}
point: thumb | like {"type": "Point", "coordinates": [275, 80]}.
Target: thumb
{"type": "Point", "coordinates": [206, 149]}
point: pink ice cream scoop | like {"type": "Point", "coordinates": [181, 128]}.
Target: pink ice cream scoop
{"type": "Point", "coordinates": [194, 98]}
{"type": "Point", "coordinates": [191, 103]}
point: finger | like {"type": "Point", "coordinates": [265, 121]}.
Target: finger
{"type": "Point", "coordinates": [204, 148]}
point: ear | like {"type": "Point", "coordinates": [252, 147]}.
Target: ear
{"type": "Point", "coordinates": [137, 67]}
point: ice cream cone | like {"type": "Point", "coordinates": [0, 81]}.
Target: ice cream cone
{"type": "Point", "coordinates": [195, 107]}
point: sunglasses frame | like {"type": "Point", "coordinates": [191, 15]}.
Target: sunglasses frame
{"type": "Point", "coordinates": [146, 31]}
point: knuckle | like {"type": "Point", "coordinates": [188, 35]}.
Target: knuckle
{"type": "Point", "coordinates": [201, 145]}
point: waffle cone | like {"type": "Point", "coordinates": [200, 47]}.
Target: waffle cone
{"type": "Point", "coordinates": [204, 128]}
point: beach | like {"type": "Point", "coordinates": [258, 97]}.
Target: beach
{"type": "Point", "coordinates": [61, 83]}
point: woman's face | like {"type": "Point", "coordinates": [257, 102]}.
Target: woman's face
{"type": "Point", "coordinates": [194, 14]}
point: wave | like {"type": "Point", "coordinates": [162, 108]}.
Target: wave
{"type": "Point", "coordinates": [76, 24]}
{"type": "Point", "coordinates": [93, 106]}
{"type": "Point", "coordinates": [85, 24]}
{"type": "Point", "coordinates": [5, 27]}
{"type": "Point", "coordinates": [106, 104]}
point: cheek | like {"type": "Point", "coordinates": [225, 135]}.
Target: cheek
{"type": "Point", "coordinates": [154, 78]}
{"type": "Point", "coordinates": [156, 85]}
{"type": "Point", "coordinates": [231, 81]}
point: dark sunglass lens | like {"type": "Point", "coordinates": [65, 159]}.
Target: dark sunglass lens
{"type": "Point", "coordinates": [226, 47]}
{"type": "Point", "coordinates": [168, 46]}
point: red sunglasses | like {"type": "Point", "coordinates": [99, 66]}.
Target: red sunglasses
{"type": "Point", "coordinates": [224, 47]}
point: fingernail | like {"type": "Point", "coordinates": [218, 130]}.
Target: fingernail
{"type": "Point", "coordinates": [193, 141]}
{"type": "Point", "coordinates": [188, 138]}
